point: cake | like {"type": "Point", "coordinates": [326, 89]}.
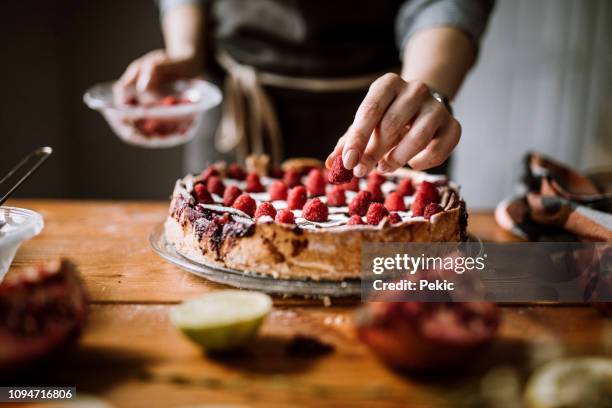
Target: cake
{"type": "Point", "coordinates": [249, 232]}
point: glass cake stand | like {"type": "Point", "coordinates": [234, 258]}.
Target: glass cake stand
{"type": "Point", "coordinates": [252, 280]}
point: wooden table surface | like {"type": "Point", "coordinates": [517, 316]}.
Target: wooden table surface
{"type": "Point", "coordinates": [130, 355]}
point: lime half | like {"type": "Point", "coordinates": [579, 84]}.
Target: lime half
{"type": "Point", "coordinates": [571, 382]}
{"type": "Point", "coordinates": [224, 320]}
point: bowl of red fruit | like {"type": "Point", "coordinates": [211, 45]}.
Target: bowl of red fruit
{"type": "Point", "coordinates": [168, 117]}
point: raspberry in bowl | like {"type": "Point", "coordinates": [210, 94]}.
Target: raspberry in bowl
{"type": "Point", "coordinates": [166, 118]}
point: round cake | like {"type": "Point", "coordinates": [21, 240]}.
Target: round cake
{"type": "Point", "coordinates": [293, 223]}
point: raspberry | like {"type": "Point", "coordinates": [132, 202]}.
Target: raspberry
{"type": "Point", "coordinates": [352, 185]}
{"type": "Point", "coordinates": [214, 185]}
{"type": "Point", "coordinates": [315, 210]}
{"type": "Point", "coordinates": [292, 178]}
{"type": "Point", "coordinates": [426, 193]}
{"type": "Point", "coordinates": [208, 172]}
{"type": "Point", "coordinates": [394, 218]}
{"type": "Point", "coordinates": [395, 202]}
{"type": "Point", "coordinates": [359, 204]}
{"type": "Point", "coordinates": [277, 173]}
{"type": "Point", "coordinates": [376, 192]}
{"type": "Point", "coordinates": [376, 213]}
{"type": "Point", "coordinates": [246, 204]}
{"type": "Point", "coordinates": [253, 184]}
{"type": "Point", "coordinates": [285, 216]}
{"type": "Point", "coordinates": [296, 198]}
{"type": "Point", "coordinates": [202, 195]}
{"type": "Point", "coordinates": [230, 195]}
{"type": "Point", "coordinates": [224, 219]}
{"type": "Point", "coordinates": [235, 171]}
{"type": "Point", "coordinates": [265, 209]}
{"type": "Point", "coordinates": [338, 173]}
{"type": "Point", "coordinates": [375, 178]}
{"type": "Point", "coordinates": [278, 191]}
{"type": "Point", "coordinates": [315, 183]}
{"type": "Point", "coordinates": [355, 220]}
{"type": "Point", "coordinates": [405, 187]}
{"type": "Point", "coordinates": [431, 209]}
{"type": "Point", "coordinates": [336, 197]}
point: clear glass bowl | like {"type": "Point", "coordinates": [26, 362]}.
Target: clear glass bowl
{"type": "Point", "coordinates": [155, 125]}
{"type": "Point", "coordinates": [16, 226]}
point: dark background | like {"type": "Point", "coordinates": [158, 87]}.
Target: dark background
{"type": "Point", "coordinates": [52, 52]}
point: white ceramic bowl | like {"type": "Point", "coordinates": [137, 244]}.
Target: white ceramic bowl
{"type": "Point", "coordinates": [17, 225]}
{"type": "Point", "coordinates": [155, 125]}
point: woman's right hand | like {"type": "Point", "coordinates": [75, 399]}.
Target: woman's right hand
{"type": "Point", "coordinates": [151, 70]}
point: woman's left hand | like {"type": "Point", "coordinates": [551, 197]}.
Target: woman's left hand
{"type": "Point", "coordinates": [398, 122]}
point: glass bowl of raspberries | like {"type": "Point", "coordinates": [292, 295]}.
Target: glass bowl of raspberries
{"type": "Point", "coordinates": [165, 118]}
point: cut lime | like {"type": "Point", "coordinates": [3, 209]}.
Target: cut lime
{"type": "Point", "coordinates": [223, 320]}
{"type": "Point", "coordinates": [571, 382]}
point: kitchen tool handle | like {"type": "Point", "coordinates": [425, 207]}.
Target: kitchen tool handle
{"type": "Point", "coordinates": [31, 163]}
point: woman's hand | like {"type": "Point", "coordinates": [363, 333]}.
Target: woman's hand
{"type": "Point", "coordinates": [398, 122]}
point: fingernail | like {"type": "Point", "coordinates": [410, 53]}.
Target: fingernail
{"type": "Point", "coordinates": [360, 170]}
{"type": "Point", "coordinates": [350, 158]}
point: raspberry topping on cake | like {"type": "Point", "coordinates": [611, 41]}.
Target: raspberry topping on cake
{"type": "Point", "coordinates": [215, 185]}
{"type": "Point", "coordinates": [246, 204]}
{"type": "Point", "coordinates": [202, 195]}
{"type": "Point", "coordinates": [395, 202]}
{"type": "Point", "coordinates": [230, 195]}
{"type": "Point", "coordinates": [292, 178]}
{"type": "Point", "coordinates": [297, 198]}
{"type": "Point", "coordinates": [426, 193]}
{"type": "Point", "coordinates": [235, 171]}
{"type": "Point", "coordinates": [315, 183]}
{"type": "Point", "coordinates": [265, 208]}
{"type": "Point", "coordinates": [336, 197]}
{"type": "Point", "coordinates": [208, 172]}
{"type": "Point", "coordinates": [405, 187]}
{"type": "Point", "coordinates": [394, 218]}
{"type": "Point", "coordinates": [352, 185]}
{"type": "Point", "coordinates": [355, 220]}
{"type": "Point", "coordinates": [285, 216]}
{"type": "Point", "coordinates": [375, 178]}
{"type": "Point", "coordinates": [278, 191]}
{"type": "Point", "coordinates": [431, 209]}
{"type": "Point", "coordinates": [338, 173]}
{"type": "Point", "coordinates": [359, 204]}
{"type": "Point", "coordinates": [315, 210]}
{"type": "Point", "coordinates": [376, 213]}
{"type": "Point", "coordinates": [376, 193]}
{"type": "Point", "coordinates": [253, 184]}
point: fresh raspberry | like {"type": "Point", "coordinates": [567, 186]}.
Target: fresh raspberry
{"type": "Point", "coordinates": [338, 173]}
{"type": "Point", "coordinates": [359, 204]}
{"type": "Point", "coordinates": [235, 171]}
{"type": "Point", "coordinates": [375, 178]}
{"type": "Point", "coordinates": [336, 197]}
{"type": "Point", "coordinates": [209, 172]}
{"type": "Point", "coordinates": [376, 213]}
{"type": "Point", "coordinates": [202, 195]}
{"type": "Point", "coordinates": [253, 184]}
{"type": "Point", "coordinates": [224, 219]}
{"type": "Point", "coordinates": [285, 216]}
{"type": "Point", "coordinates": [355, 220]}
{"type": "Point", "coordinates": [395, 202]}
{"type": "Point", "coordinates": [230, 195]}
{"type": "Point", "coordinates": [425, 194]}
{"type": "Point", "coordinates": [405, 187]}
{"type": "Point", "coordinates": [278, 190]}
{"type": "Point", "coordinates": [214, 185]}
{"type": "Point", "coordinates": [376, 192]}
{"type": "Point", "coordinates": [265, 209]}
{"type": "Point", "coordinates": [431, 209]}
{"type": "Point", "coordinates": [297, 198]}
{"type": "Point", "coordinates": [315, 210]}
{"type": "Point", "coordinates": [315, 183]}
{"type": "Point", "coordinates": [277, 173]}
{"type": "Point", "coordinates": [292, 178]}
{"type": "Point", "coordinates": [352, 185]}
{"type": "Point", "coordinates": [394, 218]}
{"type": "Point", "coordinates": [246, 204]}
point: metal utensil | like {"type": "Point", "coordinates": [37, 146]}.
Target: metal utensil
{"type": "Point", "coordinates": [29, 164]}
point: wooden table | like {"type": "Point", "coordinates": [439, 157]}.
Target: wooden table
{"type": "Point", "coordinates": [130, 355]}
